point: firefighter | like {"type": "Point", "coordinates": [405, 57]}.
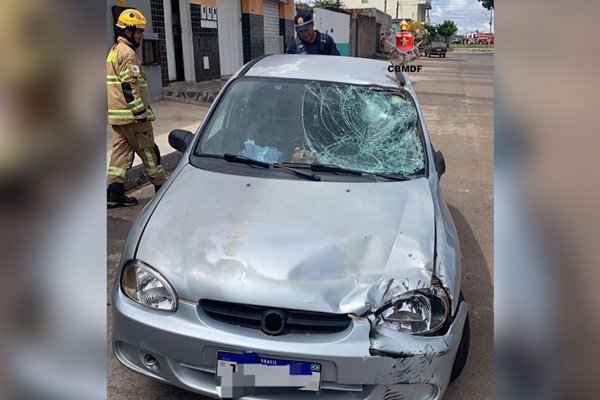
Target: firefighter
{"type": "Point", "coordinates": [129, 111]}
{"type": "Point", "coordinates": [309, 40]}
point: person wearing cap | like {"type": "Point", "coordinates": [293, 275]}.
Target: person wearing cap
{"type": "Point", "coordinates": [309, 40]}
{"type": "Point", "coordinates": [129, 111]}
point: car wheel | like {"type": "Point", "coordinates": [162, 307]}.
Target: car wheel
{"type": "Point", "coordinates": [463, 349]}
{"type": "Point", "coordinates": [444, 56]}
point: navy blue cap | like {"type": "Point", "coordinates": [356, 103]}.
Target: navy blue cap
{"type": "Point", "coordinates": [303, 21]}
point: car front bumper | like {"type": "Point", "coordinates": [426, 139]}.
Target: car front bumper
{"type": "Point", "coordinates": [185, 344]}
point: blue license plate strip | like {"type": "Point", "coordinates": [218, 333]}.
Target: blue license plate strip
{"type": "Point", "coordinates": [248, 373]}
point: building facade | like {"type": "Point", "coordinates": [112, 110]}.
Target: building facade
{"type": "Point", "coordinates": [197, 40]}
{"type": "Point", "coordinates": [415, 10]}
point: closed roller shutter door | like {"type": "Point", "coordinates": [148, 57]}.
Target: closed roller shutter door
{"type": "Point", "coordinates": [273, 42]}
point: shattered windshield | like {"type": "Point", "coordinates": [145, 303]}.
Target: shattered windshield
{"type": "Point", "coordinates": [354, 127]}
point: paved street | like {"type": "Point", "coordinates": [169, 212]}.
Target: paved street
{"type": "Point", "coordinates": [456, 94]}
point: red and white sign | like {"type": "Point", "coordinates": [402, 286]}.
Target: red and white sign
{"type": "Point", "coordinates": [405, 41]}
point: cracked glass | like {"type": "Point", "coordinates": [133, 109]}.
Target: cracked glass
{"type": "Point", "coordinates": [362, 128]}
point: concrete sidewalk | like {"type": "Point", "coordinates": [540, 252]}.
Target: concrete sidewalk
{"type": "Point", "coordinates": [169, 115]}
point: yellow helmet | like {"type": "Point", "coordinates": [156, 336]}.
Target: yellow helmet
{"type": "Point", "coordinates": [131, 17]}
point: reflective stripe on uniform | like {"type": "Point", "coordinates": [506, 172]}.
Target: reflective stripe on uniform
{"type": "Point", "coordinates": [142, 82]}
{"type": "Point", "coordinates": [112, 57]}
{"type": "Point", "coordinates": [150, 158]}
{"type": "Point", "coordinates": [112, 80]}
{"type": "Point", "coordinates": [136, 105]}
{"type": "Point", "coordinates": [150, 115]}
{"type": "Point", "coordinates": [120, 114]}
{"type": "Point", "coordinates": [153, 171]}
{"type": "Point", "coordinates": [152, 168]}
{"type": "Point", "coordinates": [124, 75]}
{"type": "Point", "coordinates": [116, 171]}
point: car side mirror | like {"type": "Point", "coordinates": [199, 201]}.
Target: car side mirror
{"type": "Point", "coordinates": [440, 163]}
{"type": "Point", "coordinates": [180, 139]}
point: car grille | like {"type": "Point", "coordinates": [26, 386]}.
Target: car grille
{"type": "Point", "coordinates": [295, 321]}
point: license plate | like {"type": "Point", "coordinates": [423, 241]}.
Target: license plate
{"type": "Point", "coordinates": [250, 374]}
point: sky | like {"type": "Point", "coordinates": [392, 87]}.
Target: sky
{"type": "Point", "coordinates": [468, 15]}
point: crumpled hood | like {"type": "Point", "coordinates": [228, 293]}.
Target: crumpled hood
{"type": "Point", "coordinates": [321, 246]}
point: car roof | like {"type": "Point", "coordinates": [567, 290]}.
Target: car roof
{"type": "Point", "coordinates": [351, 70]}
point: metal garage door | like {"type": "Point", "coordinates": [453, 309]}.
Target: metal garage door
{"type": "Point", "coordinates": [230, 36]}
{"type": "Point", "coordinates": [273, 42]}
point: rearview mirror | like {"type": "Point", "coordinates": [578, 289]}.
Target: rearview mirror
{"type": "Point", "coordinates": [440, 163]}
{"type": "Point", "coordinates": [180, 139]}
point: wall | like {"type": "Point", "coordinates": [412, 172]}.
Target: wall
{"type": "Point", "coordinates": [287, 12]}
{"type": "Point", "coordinates": [407, 9]}
{"type": "Point", "coordinates": [253, 38]}
{"type": "Point", "coordinates": [337, 25]}
{"type": "Point", "coordinates": [382, 19]}
{"type": "Point", "coordinates": [153, 72]}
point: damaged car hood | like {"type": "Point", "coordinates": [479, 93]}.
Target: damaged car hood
{"type": "Point", "coordinates": [338, 247]}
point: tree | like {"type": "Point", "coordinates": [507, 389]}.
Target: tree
{"type": "Point", "coordinates": [302, 6]}
{"type": "Point", "coordinates": [487, 4]}
{"type": "Point", "coordinates": [418, 30]}
{"type": "Point", "coordinates": [432, 33]}
{"type": "Point", "coordinates": [447, 29]}
{"type": "Point", "coordinates": [329, 3]}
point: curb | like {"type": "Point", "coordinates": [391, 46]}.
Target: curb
{"type": "Point", "coordinates": [137, 176]}
{"type": "Point", "coordinates": [465, 50]}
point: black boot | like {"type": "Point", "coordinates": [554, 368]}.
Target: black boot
{"type": "Point", "coordinates": [115, 196]}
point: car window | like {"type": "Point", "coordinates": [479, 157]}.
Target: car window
{"type": "Point", "coordinates": [354, 127]}
{"type": "Point", "coordinates": [438, 44]}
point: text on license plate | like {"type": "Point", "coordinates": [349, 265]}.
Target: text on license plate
{"type": "Point", "coordinates": [245, 374]}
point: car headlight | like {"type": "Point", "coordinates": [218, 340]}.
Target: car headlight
{"type": "Point", "coordinates": [418, 312]}
{"type": "Point", "coordinates": [147, 287]}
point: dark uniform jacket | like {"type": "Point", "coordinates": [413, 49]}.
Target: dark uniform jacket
{"type": "Point", "coordinates": [323, 44]}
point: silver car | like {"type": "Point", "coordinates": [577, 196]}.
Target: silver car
{"type": "Point", "coordinates": [302, 248]}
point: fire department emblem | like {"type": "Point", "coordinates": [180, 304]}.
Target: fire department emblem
{"type": "Point", "coordinates": [405, 41]}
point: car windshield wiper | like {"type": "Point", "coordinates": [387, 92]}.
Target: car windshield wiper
{"type": "Point", "coordinates": [335, 168]}
{"type": "Point", "coordinates": [233, 158]}
{"type": "Point", "coordinates": [307, 175]}
{"type": "Point", "coordinates": [250, 161]}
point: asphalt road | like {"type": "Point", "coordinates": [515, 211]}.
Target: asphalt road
{"type": "Point", "coordinates": [457, 95]}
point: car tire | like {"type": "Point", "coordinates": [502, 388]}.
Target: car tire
{"type": "Point", "coordinates": [444, 56]}
{"type": "Point", "coordinates": [463, 348]}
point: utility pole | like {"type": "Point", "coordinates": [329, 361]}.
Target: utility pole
{"type": "Point", "coordinates": [397, 5]}
{"type": "Point", "coordinates": [385, 6]}
{"type": "Point", "coordinates": [491, 18]}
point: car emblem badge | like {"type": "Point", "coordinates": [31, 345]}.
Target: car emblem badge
{"type": "Point", "coordinates": [273, 322]}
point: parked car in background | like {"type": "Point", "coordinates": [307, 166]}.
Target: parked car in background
{"type": "Point", "coordinates": [436, 49]}
{"type": "Point", "coordinates": [302, 248]}
{"type": "Point", "coordinates": [457, 40]}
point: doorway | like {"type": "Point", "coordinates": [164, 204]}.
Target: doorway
{"type": "Point", "coordinates": [177, 40]}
